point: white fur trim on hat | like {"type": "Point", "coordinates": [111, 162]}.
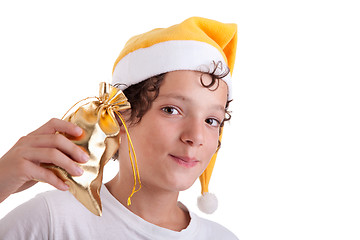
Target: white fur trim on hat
{"type": "Point", "coordinates": [167, 56]}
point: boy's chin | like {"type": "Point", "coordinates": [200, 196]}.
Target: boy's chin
{"type": "Point", "coordinates": [182, 186]}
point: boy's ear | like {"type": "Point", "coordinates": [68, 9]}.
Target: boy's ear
{"type": "Point", "coordinates": [122, 131]}
{"type": "Point", "coordinates": [125, 115]}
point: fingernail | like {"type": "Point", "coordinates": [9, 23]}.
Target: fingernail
{"type": "Point", "coordinates": [85, 157]}
{"type": "Point", "coordinates": [65, 187]}
{"type": "Point", "coordinates": [78, 130]}
{"type": "Point", "coordinates": [79, 171]}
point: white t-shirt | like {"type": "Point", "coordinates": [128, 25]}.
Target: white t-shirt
{"type": "Point", "coordinates": [58, 215]}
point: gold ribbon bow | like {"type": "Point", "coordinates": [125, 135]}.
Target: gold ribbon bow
{"type": "Point", "coordinates": [101, 140]}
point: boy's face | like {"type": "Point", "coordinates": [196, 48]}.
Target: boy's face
{"type": "Point", "coordinates": [177, 137]}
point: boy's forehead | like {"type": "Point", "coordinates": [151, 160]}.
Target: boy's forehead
{"type": "Point", "coordinates": [189, 78]}
{"type": "Point", "coordinates": [187, 85]}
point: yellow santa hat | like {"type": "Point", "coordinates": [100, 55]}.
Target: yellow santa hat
{"type": "Point", "coordinates": [195, 44]}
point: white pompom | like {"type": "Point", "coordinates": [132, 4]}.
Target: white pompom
{"type": "Point", "coordinates": [207, 203]}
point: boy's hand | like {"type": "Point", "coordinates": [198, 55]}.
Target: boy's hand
{"type": "Point", "coordinates": [20, 166]}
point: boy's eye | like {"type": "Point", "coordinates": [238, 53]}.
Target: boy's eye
{"type": "Point", "coordinates": [170, 110]}
{"type": "Point", "coordinates": [213, 122]}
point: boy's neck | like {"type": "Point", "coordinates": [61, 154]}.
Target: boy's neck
{"type": "Point", "coordinates": [157, 207]}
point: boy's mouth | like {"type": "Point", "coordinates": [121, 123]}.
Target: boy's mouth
{"type": "Point", "coordinates": [185, 161]}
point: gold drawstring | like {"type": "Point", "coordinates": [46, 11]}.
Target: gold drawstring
{"type": "Point", "coordinates": [134, 164]}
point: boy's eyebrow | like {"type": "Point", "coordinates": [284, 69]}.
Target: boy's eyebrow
{"type": "Point", "coordinates": [183, 98]}
{"type": "Point", "coordinates": [174, 95]}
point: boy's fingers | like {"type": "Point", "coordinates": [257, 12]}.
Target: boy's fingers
{"type": "Point", "coordinates": [57, 125]}
{"type": "Point", "coordinates": [61, 143]}
{"type": "Point", "coordinates": [44, 175]}
{"type": "Point", "coordinates": [53, 156]}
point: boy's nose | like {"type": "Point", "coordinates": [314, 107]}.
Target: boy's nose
{"type": "Point", "coordinates": [193, 133]}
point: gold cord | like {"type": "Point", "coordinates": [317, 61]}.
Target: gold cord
{"type": "Point", "coordinates": [134, 164]}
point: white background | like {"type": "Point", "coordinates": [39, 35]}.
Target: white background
{"type": "Point", "coordinates": [289, 165]}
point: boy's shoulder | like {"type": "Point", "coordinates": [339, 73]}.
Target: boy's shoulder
{"type": "Point", "coordinates": [30, 220]}
{"type": "Point", "coordinates": [58, 199]}
{"type": "Point", "coordinates": [46, 216]}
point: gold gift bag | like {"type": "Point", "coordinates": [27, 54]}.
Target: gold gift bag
{"type": "Point", "coordinates": [101, 140]}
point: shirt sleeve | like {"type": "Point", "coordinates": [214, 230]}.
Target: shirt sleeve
{"type": "Point", "coordinates": [30, 220]}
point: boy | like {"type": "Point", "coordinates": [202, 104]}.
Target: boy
{"type": "Point", "coordinates": [178, 84]}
